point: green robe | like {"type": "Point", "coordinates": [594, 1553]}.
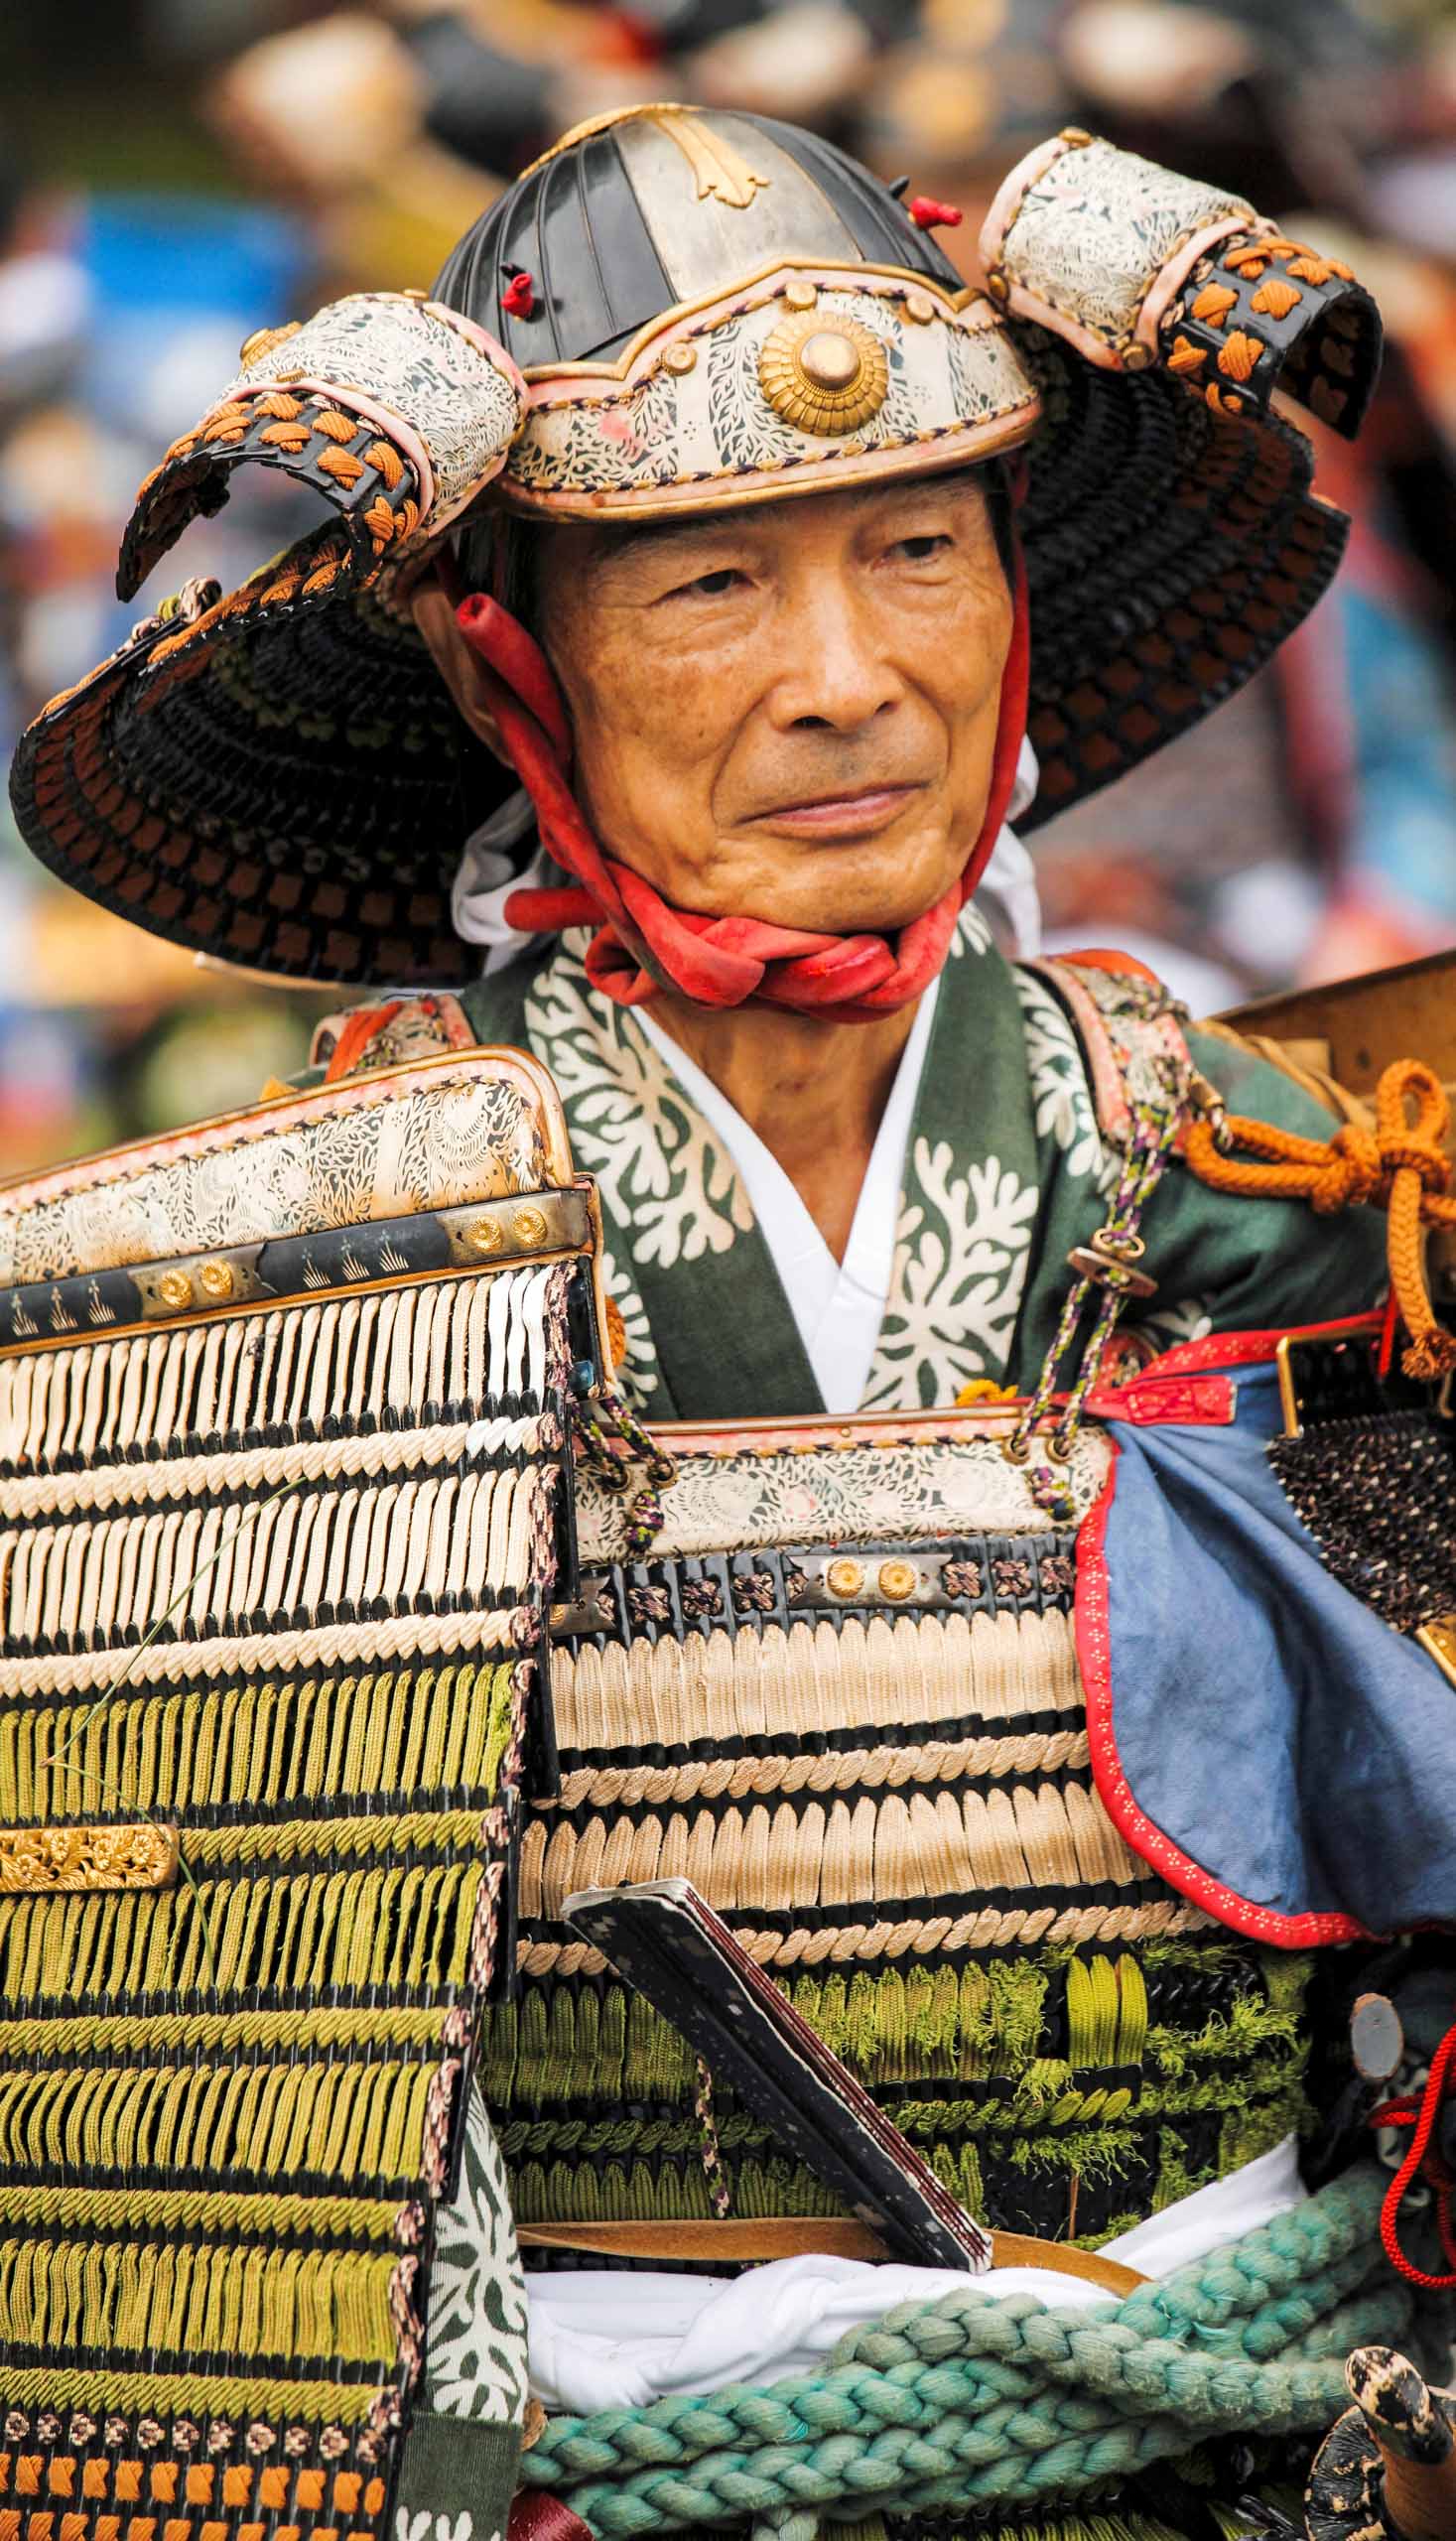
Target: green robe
{"type": "Point", "coordinates": [1005, 1171]}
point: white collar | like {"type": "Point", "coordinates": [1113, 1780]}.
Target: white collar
{"type": "Point", "coordinates": [837, 1306]}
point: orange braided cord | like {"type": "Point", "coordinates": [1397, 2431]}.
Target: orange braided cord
{"type": "Point", "coordinates": [1420, 1183]}
{"type": "Point", "coordinates": [1255, 254]}
{"type": "Point", "coordinates": [1276, 298]}
{"type": "Point", "coordinates": [1400, 1165]}
{"type": "Point", "coordinates": [1215, 301]}
{"type": "Point", "coordinates": [289, 437]}
{"type": "Point", "coordinates": [383, 456]}
{"type": "Point", "coordinates": [1239, 354]}
{"type": "Point", "coordinates": [358, 1031]}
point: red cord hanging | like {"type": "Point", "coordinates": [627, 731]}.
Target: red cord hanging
{"type": "Point", "coordinates": [1420, 2115]}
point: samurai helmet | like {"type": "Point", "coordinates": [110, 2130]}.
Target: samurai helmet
{"type": "Point", "coordinates": [675, 310]}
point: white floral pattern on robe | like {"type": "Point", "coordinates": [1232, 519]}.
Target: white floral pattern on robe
{"type": "Point", "coordinates": [476, 2358]}
{"type": "Point", "coordinates": [962, 1249]}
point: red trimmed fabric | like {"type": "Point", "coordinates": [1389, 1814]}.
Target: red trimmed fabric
{"type": "Point", "coordinates": [643, 944]}
{"type": "Point", "coordinates": [1091, 1629]}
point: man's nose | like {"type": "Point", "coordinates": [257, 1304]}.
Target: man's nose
{"type": "Point", "coordinates": [834, 670]}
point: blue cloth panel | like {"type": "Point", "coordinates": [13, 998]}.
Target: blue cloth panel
{"type": "Point", "coordinates": [1297, 1748]}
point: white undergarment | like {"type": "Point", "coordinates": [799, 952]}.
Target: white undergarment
{"type": "Point", "coordinates": [838, 1306]}
{"type": "Point", "coordinates": [601, 2338]}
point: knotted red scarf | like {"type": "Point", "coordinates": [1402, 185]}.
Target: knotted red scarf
{"type": "Point", "coordinates": [642, 942]}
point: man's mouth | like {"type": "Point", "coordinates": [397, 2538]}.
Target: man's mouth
{"type": "Point", "coordinates": [855, 812]}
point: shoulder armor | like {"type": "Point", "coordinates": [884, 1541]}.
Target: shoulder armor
{"type": "Point", "coordinates": [1129, 1026]}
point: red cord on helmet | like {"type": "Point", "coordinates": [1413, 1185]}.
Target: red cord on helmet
{"type": "Point", "coordinates": [927, 214]}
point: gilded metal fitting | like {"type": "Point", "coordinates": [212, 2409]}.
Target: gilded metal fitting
{"type": "Point", "coordinates": [823, 374]}
{"type": "Point", "coordinates": [898, 1581]}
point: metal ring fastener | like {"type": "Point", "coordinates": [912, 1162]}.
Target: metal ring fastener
{"type": "Point", "coordinates": [1208, 1104]}
{"type": "Point", "coordinates": [1108, 1271]}
{"type": "Point", "coordinates": [1119, 1244]}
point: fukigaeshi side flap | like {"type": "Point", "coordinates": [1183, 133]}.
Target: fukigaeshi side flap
{"type": "Point", "coordinates": [1260, 1735]}
{"type": "Point", "coordinates": [396, 411]}
{"type": "Point", "coordinates": [284, 1507]}
{"type": "Point", "coordinates": [1183, 275]}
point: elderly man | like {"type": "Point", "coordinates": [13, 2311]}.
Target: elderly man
{"type": "Point", "coordinates": [705, 498]}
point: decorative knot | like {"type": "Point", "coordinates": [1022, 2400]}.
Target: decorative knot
{"type": "Point", "coordinates": [1354, 1175]}
{"type": "Point", "coordinates": [518, 300]}
{"type": "Point", "coordinates": [1401, 1165]}
{"type": "Point", "coordinates": [1370, 1160]}
{"type": "Point", "coordinates": [1406, 1155]}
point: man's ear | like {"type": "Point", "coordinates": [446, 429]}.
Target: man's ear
{"type": "Point", "coordinates": [434, 605]}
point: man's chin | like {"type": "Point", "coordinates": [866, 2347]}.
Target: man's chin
{"type": "Point", "coordinates": [881, 912]}
{"type": "Point", "coordinates": [888, 891]}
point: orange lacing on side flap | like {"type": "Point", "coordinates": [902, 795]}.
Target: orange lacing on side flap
{"type": "Point", "coordinates": [1400, 1165]}
{"type": "Point", "coordinates": [1255, 254]}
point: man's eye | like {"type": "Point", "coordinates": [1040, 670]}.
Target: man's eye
{"type": "Point", "coordinates": [712, 584]}
{"type": "Point", "coordinates": [923, 545]}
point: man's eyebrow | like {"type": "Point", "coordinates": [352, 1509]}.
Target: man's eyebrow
{"type": "Point", "coordinates": [631, 537]}
{"type": "Point", "coordinates": [619, 540]}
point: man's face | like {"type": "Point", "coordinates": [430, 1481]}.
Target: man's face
{"type": "Point", "coordinates": [786, 712]}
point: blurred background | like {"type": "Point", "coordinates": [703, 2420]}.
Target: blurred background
{"type": "Point", "coordinates": [176, 173]}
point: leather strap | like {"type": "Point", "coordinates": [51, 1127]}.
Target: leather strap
{"type": "Point", "coordinates": [784, 2237]}
{"type": "Point", "coordinates": [1021, 2250]}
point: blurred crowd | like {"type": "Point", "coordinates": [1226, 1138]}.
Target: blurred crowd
{"type": "Point", "coordinates": [174, 172]}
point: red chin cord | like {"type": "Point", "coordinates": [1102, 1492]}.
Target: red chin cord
{"type": "Point", "coordinates": [643, 944]}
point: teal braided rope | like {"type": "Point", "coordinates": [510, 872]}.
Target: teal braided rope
{"type": "Point", "coordinates": [973, 2402]}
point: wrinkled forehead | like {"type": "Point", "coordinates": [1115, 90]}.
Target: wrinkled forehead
{"type": "Point", "coordinates": [532, 563]}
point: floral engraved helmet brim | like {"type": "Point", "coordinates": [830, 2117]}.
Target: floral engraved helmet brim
{"type": "Point", "coordinates": [802, 378]}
